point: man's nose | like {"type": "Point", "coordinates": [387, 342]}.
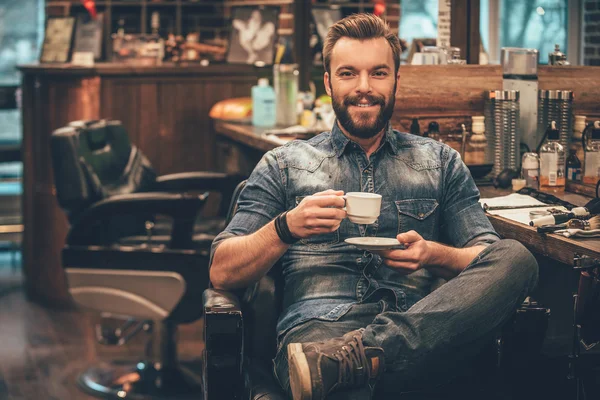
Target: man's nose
{"type": "Point", "coordinates": [364, 84]}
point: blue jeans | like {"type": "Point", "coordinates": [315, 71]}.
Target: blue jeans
{"type": "Point", "coordinates": [431, 343]}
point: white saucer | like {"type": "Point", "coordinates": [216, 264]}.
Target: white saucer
{"type": "Point", "coordinates": [374, 243]}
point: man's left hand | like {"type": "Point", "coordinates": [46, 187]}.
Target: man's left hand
{"type": "Point", "coordinates": [415, 256]}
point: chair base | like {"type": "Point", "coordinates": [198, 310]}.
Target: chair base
{"type": "Point", "coordinates": [142, 381]}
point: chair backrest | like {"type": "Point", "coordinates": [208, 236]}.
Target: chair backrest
{"type": "Point", "coordinates": [93, 160]}
{"type": "Point", "coordinates": [261, 305]}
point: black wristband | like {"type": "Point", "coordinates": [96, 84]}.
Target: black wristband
{"type": "Point", "coordinates": [283, 230]}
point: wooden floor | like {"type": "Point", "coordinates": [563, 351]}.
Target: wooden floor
{"type": "Point", "coordinates": [42, 350]}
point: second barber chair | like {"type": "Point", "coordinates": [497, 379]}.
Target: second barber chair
{"type": "Point", "coordinates": [116, 262]}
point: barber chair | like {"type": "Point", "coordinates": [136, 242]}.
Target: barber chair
{"type": "Point", "coordinates": [586, 325]}
{"type": "Point", "coordinates": [116, 265]}
{"type": "Point", "coordinates": [240, 343]}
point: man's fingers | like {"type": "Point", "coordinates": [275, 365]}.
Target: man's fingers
{"type": "Point", "coordinates": [329, 213]}
{"type": "Point", "coordinates": [330, 192]}
{"type": "Point", "coordinates": [323, 223]}
{"type": "Point", "coordinates": [327, 200]}
{"type": "Point", "coordinates": [409, 237]}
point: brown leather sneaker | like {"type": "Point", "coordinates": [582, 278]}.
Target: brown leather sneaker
{"type": "Point", "coordinates": [319, 368]}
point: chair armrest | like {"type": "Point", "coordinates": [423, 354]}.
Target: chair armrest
{"type": "Point", "coordinates": [221, 301]}
{"type": "Point", "coordinates": [224, 342]}
{"type": "Point", "coordinates": [183, 208]}
{"type": "Point", "coordinates": [201, 181]}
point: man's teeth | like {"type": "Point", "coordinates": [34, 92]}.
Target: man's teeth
{"type": "Point", "coordinates": [364, 105]}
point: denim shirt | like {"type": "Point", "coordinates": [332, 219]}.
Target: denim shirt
{"type": "Point", "coordinates": [425, 187]}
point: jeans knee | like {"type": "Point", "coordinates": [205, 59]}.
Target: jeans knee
{"type": "Point", "coordinates": [520, 261]}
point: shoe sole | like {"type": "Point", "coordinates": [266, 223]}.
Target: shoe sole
{"type": "Point", "coordinates": [299, 372]}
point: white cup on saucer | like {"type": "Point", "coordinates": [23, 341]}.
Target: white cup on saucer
{"type": "Point", "coordinates": [362, 207]}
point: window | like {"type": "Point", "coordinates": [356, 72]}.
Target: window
{"type": "Point", "coordinates": [418, 19]}
{"type": "Point", "coordinates": [20, 36]}
{"type": "Point", "coordinates": [538, 24]}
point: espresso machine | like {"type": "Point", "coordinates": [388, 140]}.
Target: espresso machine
{"type": "Point", "coordinates": [519, 72]}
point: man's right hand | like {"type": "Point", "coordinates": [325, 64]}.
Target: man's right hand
{"type": "Point", "coordinates": [317, 214]}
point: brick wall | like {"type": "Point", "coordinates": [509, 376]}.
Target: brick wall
{"type": "Point", "coordinates": [591, 32]}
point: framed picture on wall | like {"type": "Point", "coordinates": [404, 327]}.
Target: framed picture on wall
{"type": "Point", "coordinates": [88, 35]}
{"type": "Point", "coordinates": [253, 35]}
{"type": "Point", "coordinates": [324, 18]}
{"type": "Point", "coordinates": [58, 39]}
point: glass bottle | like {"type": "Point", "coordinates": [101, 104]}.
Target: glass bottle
{"type": "Point", "coordinates": [591, 144]}
{"type": "Point", "coordinates": [477, 143]}
{"type": "Point", "coordinates": [573, 166]}
{"type": "Point", "coordinates": [530, 170]}
{"type": "Point", "coordinates": [263, 104]}
{"type": "Point", "coordinates": [433, 131]}
{"type": "Point", "coordinates": [285, 82]}
{"type": "Point", "coordinates": [552, 162]}
{"type": "Point", "coordinates": [578, 128]}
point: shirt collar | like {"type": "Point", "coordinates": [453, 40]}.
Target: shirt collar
{"type": "Point", "coordinates": [341, 141]}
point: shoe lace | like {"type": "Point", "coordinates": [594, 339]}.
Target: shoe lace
{"type": "Point", "coordinates": [353, 363]}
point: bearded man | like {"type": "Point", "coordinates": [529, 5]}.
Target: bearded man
{"type": "Point", "coordinates": [351, 318]}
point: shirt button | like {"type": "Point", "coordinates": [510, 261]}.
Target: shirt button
{"type": "Point", "coordinates": [421, 215]}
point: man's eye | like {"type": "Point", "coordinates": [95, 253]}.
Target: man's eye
{"type": "Point", "coordinates": [346, 73]}
{"type": "Point", "coordinates": [380, 73]}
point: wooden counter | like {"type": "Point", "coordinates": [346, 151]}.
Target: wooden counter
{"type": "Point", "coordinates": [554, 246]}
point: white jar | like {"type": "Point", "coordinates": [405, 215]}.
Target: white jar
{"type": "Point", "coordinates": [578, 126]}
{"type": "Point", "coordinates": [478, 125]}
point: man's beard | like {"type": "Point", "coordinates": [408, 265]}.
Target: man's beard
{"type": "Point", "coordinates": [362, 127]}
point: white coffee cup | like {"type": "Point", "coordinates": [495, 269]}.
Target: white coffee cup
{"type": "Point", "coordinates": [362, 207]}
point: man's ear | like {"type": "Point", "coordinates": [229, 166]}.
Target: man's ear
{"type": "Point", "coordinates": [327, 83]}
{"type": "Point", "coordinates": [397, 83]}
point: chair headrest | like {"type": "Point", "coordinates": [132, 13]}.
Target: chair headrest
{"type": "Point", "coordinates": [93, 160]}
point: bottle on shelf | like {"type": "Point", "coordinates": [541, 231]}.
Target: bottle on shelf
{"type": "Point", "coordinates": [578, 128]}
{"type": "Point", "coordinates": [552, 161]}
{"type": "Point", "coordinates": [433, 131]}
{"type": "Point", "coordinates": [414, 127]}
{"type": "Point", "coordinates": [530, 169]}
{"type": "Point", "coordinates": [477, 143]}
{"type": "Point", "coordinates": [263, 104]}
{"type": "Point", "coordinates": [590, 141]}
{"type": "Point", "coordinates": [573, 166]}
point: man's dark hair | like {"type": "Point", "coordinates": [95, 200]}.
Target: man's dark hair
{"type": "Point", "coordinates": [362, 26]}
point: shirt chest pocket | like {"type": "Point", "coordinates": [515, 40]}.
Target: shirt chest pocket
{"type": "Point", "coordinates": [419, 215]}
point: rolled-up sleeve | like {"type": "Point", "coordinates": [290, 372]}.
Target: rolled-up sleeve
{"type": "Point", "coordinates": [261, 200]}
{"type": "Point", "coordinates": [464, 222]}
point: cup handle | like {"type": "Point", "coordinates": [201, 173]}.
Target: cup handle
{"type": "Point", "coordinates": [345, 199]}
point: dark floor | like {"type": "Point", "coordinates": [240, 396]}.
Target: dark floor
{"type": "Point", "coordinates": [42, 350]}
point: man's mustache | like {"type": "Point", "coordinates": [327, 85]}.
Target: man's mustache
{"type": "Point", "coordinates": [355, 100]}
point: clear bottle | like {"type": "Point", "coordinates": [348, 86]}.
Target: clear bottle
{"type": "Point", "coordinates": [573, 166]}
{"type": "Point", "coordinates": [285, 81]}
{"type": "Point", "coordinates": [591, 144]}
{"type": "Point", "coordinates": [552, 162]}
{"type": "Point", "coordinates": [477, 143]}
{"type": "Point", "coordinates": [530, 170]}
{"type": "Point", "coordinates": [578, 128]}
{"type": "Point", "coordinates": [263, 104]}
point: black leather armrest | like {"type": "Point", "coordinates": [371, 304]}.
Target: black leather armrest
{"type": "Point", "coordinates": [182, 207]}
{"type": "Point", "coordinates": [215, 300]}
{"type": "Point", "coordinates": [223, 335]}
{"type": "Point", "coordinates": [201, 181]}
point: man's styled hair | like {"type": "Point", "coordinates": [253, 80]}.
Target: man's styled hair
{"type": "Point", "coordinates": [362, 26]}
